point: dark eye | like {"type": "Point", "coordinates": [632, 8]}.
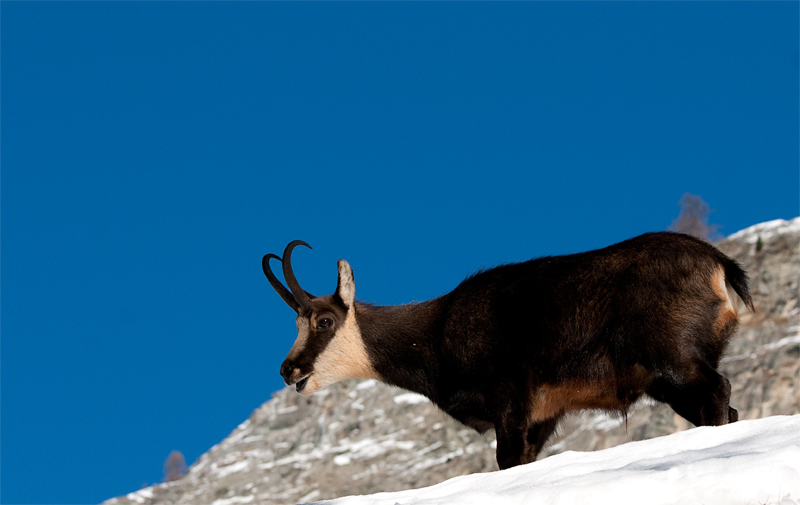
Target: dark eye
{"type": "Point", "coordinates": [324, 323]}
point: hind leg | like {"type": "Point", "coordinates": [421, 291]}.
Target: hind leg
{"type": "Point", "coordinates": [701, 396]}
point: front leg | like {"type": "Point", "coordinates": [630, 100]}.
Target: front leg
{"type": "Point", "coordinates": [519, 440]}
{"type": "Point", "coordinates": [510, 428]}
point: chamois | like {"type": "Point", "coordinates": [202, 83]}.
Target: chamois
{"type": "Point", "coordinates": [517, 346]}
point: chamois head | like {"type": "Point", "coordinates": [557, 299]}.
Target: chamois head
{"type": "Point", "coordinates": [329, 347]}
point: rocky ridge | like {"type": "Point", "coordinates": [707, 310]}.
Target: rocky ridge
{"type": "Point", "coordinates": [360, 437]}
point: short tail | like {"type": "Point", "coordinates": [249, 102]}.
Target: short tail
{"type": "Point", "coordinates": [738, 279]}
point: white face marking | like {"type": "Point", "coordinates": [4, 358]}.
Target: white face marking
{"type": "Point", "coordinates": [299, 345]}
{"type": "Point", "coordinates": [344, 358]}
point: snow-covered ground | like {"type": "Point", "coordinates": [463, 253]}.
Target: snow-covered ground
{"type": "Point", "coordinates": [749, 462]}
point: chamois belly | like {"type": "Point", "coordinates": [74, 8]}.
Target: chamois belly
{"type": "Point", "coordinates": [552, 400]}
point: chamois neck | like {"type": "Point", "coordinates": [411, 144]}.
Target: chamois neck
{"type": "Point", "coordinates": [400, 342]}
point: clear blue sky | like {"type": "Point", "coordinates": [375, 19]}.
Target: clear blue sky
{"type": "Point", "coordinates": [153, 152]}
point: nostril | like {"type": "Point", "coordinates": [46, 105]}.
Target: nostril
{"type": "Point", "coordinates": [286, 372]}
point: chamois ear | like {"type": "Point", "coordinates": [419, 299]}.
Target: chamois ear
{"type": "Point", "coordinates": [346, 288]}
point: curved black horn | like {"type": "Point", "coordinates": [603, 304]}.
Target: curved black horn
{"type": "Point", "coordinates": [276, 284]}
{"type": "Point", "coordinates": [294, 286]}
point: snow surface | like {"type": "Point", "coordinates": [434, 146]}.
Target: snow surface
{"type": "Point", "coordinates": [749, 462]}
{"type": "Point", "coordinates": [410, 398]}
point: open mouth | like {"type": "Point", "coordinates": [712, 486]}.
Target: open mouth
{"type": "Point", "coordinates": [301, 384]}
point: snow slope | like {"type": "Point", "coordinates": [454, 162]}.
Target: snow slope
{"type": "Point", "coordinates": [748, 462]}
